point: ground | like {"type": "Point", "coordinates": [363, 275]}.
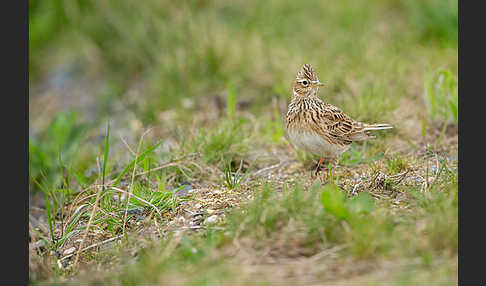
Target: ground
{"type": "Point", "coordinates": [166, 143]}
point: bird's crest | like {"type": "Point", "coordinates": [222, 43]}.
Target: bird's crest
{"type": "Point", "coordinates": [307, 72]}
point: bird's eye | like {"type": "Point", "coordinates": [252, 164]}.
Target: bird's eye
{"type": "Point", "coordinates": [305, 83]}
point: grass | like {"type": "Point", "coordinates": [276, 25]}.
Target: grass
{"type": "Point", "coordinates": [441, 95]}
{"type": "Point", "coordinates": [301, 223]}
{"type": "Point", "coordinates": [234, 179]}
{"type": "Point", "coordinates": [60, 140]}
{"type": "Point", "coordinates": [194, 92]}
{"type": "Point", "coordinates": [112, 215]}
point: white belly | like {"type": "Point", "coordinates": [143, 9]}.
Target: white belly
{"type": "Point", "coordinates": [315, 144]}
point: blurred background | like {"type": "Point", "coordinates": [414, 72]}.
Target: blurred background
{"type": "Point", "coordinates": [169, 65]}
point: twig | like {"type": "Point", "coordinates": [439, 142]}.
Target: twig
{"type": "Point", "coordinates": [325, 253]}
{"type": "Point", "coordinates": [268, 168]}
{"type": "Point", "coordinates": [89, 224]}
{"type": "Point", "coordinates": [168, 164]}
{"type": "Point", "coordinates": [131, 183]}
{"type": "Point", "coordinates": [92, 246]}
{"type": "Point", "coordinates": [128, 146]}
{"type": "Point", "coordinates": [200, 227]}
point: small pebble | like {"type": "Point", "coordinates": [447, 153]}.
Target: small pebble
{"type": "Point", "coordinates": [212, 219]}
{"type": "Point", "coordinates": [39, 244]}
{"type": "Point", "coordinates": [65, 262]}
{"type": "Point", "coordinates": [69, 251]}
{"type": "Point", "coordinates": [137, 211]}
{"type": "Point", "coordinates": [196, 221]}
{"type": "Point", "coordinates": [185, 190]}
{"type": "Point", "coordinates": [107, 246]}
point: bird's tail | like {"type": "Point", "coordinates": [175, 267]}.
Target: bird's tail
{"type": "Point", "coordinates": [377, 127]}
{"type": "Point", "coordinates": [365, 134]}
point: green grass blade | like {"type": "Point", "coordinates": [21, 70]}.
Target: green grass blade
{"type": "Point", "coordinates": [231, 104]}
{"type": "Point", "coordinates": [49, 217]}
{"type": "Point", "coordinates": [107, 149]}
{"type": "Point", "coordinates": [137, 159]}
{"type": "Point", "coordinates": [245, 173]}
{"type": "Point", "coordinates": [61, 169]}
{"type": "Point", "coordinates": [453, 108]}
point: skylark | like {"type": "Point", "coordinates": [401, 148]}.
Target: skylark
{"type": "Point", "coordinates": [321, 128]}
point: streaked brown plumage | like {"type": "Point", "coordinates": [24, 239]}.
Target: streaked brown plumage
{"type": "Point", "coordinates": [321, 128]}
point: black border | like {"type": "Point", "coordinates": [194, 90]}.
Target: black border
{"type": "Point", "coordinates": [16, 126]}
{"type": "Point", "coordinates": [14, 23]}
{"type": "Point", "coordinates": [471, 76]}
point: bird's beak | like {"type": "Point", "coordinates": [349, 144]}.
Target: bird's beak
{"type": "Point", "coordinates": [317, 84]}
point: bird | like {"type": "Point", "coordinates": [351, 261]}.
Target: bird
{"type": "Point", "coordinates": [321, 128]}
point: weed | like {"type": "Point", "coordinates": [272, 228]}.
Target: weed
{"type": "Point", "coordinates": [441, 95]}
{"type": "Point", "coordinates": [396, 164]}
{"type": "Point", "coordinates": [233, 180]}
{"type": "Point", "coordinates": [222, 143]}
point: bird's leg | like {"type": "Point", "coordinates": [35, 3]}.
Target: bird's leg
{"type": "Point", "coordinates": [319, 166]}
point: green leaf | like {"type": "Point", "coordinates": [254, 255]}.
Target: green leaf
{"type": "Point", "coordinates": [362, 203]}
{"type": "Point", "coordinates": [333, 201]}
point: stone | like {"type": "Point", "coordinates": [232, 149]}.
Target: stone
{"type": "Point", "coordinates": [212, 219]}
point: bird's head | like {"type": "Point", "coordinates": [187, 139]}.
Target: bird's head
{"type": "Point", "coordinates": [306, 83]}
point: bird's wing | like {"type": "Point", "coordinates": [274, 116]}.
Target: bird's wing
{"type": "Point", "coordinates": [340, 126]}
